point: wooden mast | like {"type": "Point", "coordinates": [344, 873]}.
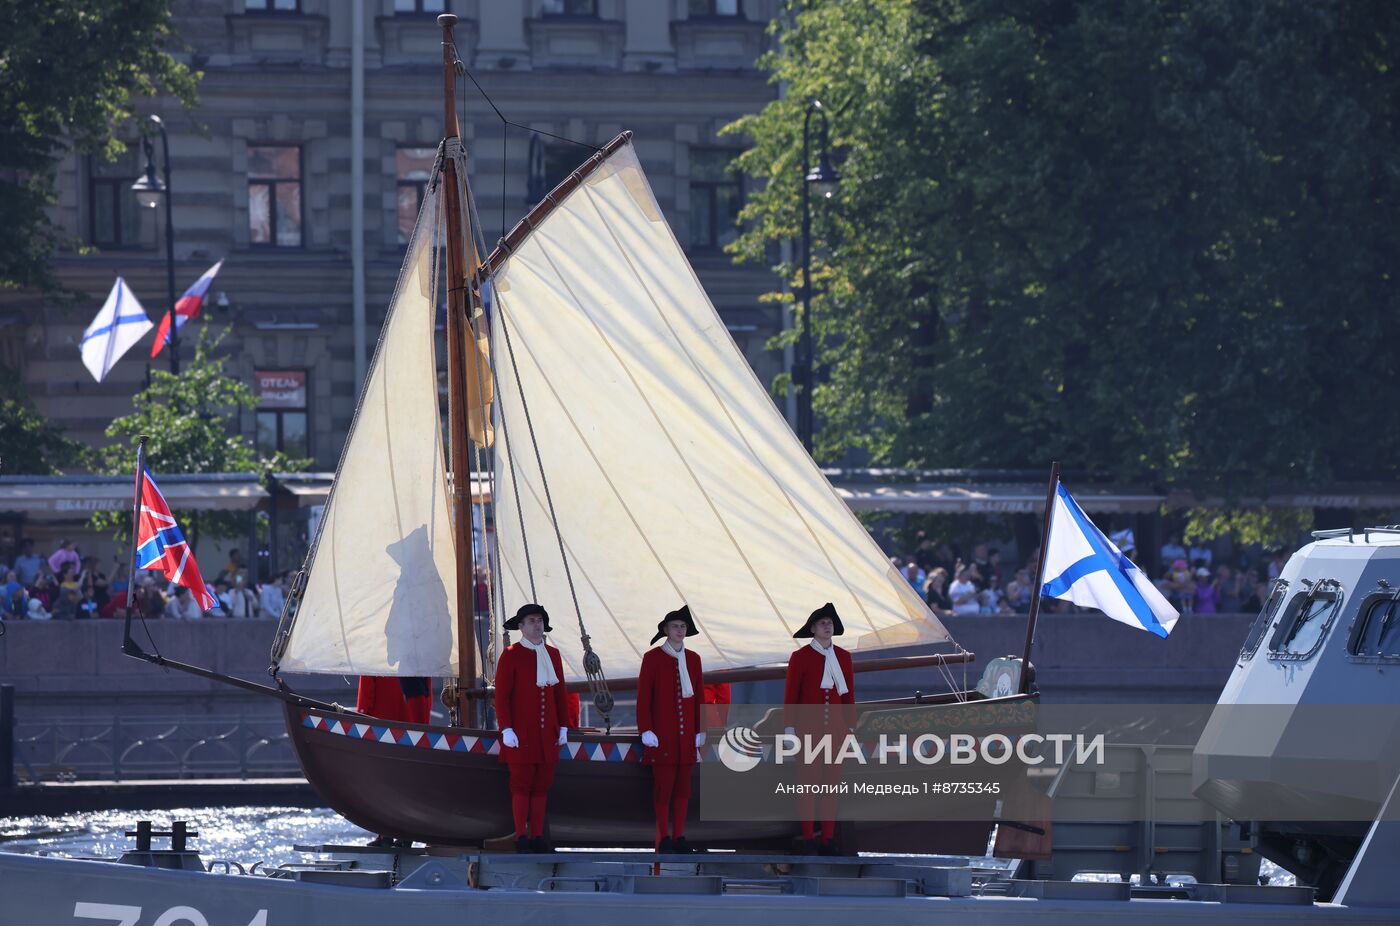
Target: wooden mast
{"type": "Point", "coordinates": [458, 324]}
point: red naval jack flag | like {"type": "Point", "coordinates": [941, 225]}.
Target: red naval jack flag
{"type": "Point", "coordinates": [186, 308]}
{"type": "Point", "coordinates": [160, 544]}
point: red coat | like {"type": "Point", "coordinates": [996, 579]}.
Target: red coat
{"type": "Point", "coordinates": [662, 710]}
{"type": "Point", "coordinates": [534, 713]}
{"type": "Point", "coordinates": [804, 686]}
{"type": "Point", "coordinates": [716, 710]}
{"type": "Point", "coordinates": [382, 696]}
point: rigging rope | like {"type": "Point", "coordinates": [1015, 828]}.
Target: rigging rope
{"type": "Point", "coordinates": [592, 665]}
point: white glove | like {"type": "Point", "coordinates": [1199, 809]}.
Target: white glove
{"type": "Point", "coordinates": [563, 736]}
{"type": "Point", "coordinates": [699, 740]}
{"type": "Point", "coordinates": [649, 739]}
{"type": "Point", "coordinates": [509, 739]}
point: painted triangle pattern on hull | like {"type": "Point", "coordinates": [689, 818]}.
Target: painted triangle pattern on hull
{"type": "Point", "coordinates": [483, 745]}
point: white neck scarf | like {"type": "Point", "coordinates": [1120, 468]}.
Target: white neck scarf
{"type": "Point", "coordinates": [832, 676]}
{"type": "Point", "coordinates": [544, 666]}
{"type": "Point", "coordinates": [687, 689]}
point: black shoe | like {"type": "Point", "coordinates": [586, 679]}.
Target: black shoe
{"type": "Point", "coordinates": [403, 843]}
{"type": "Point", "coordinates": [666, 846]}
{"type": "Point", "coordinates": [811, 847]}
{"type": "Point", "coordinates": [829, 848]}
{"type": "Point", "coordinates": [522, 845]}
{"type": "Point", "coordinates": [680, 846]}
{"type": "Point", "coordinates": [380, 842]}
{"type": "Point", "coordinates": [539, 846]}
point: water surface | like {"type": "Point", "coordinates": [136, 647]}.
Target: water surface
{"type": "Point", "coordinates": [244, 834]}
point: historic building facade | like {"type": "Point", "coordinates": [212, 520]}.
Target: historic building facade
{"type": "Point", "coordinates": [264, 175]}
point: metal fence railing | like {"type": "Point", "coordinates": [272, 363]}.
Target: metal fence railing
{"type": "Point", "coordinates": [159, 746]}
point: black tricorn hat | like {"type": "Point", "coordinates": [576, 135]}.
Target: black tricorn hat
{"type": "Point", "coordinates": [826, 610]}
{"type": "Point", "coordinates": [525, 611]}
{"type": "Point", "coordinates": [682, 615]}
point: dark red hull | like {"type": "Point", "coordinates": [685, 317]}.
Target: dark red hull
{"type": "Point", "coordinates": [445, 786]}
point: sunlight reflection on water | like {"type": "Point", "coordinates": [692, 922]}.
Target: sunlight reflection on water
{"type": "Point", "coordinates": [245, 834]}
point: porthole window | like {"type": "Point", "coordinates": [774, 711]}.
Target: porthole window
{"type": "Point", "coordinates": [1304, 624]}
{"type": "Point", "coordinates": [1264, 620]}
{"type": "Point", "coordinates": [1377, 629]}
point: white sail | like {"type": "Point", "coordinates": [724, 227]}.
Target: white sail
{"type": "Point", "coordinates": [673, 477]}
{"type": "Point", "coordinates": [382, 582]}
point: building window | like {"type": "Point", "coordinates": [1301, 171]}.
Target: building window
{"type": "Point", "coordinates": [272, 6]}
{"type": "Point", "coordinates": [409, 7]}
{"type": "Point", "coordinates": [412, 167]}
{"type": "Point", "coordinates": [715, 198]}
{"type": "Point", "coordinates": [281, 414]}
{"type": "Point", "coordinates": [114, 215]}
{"type": "Point", "coordinates": [701, 8]}
{"type": "Point", "coordinates": [274, 196]}
{"type": "Point", "coordinates": [570, 7]}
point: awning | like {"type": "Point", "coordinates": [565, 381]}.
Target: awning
{"type": "Point", "coordinates": [992, 498]}
{"type": "Point", "coordinates": [312, 488]}
{"type": "Point", "coordinates": [1362, 497]}
{"type": "Point", "coordinates": [70, 498]}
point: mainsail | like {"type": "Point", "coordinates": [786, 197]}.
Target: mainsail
{"type": "Point", "coordinates": [628, 418]}
{"type": "Point", "coordinates": [381, 579]}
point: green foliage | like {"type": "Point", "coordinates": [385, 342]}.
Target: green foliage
{"type": "Point", "coordinates": [1151, 238]}
{"type": "Point", "coordinates": [68, 72]}
{"type": "Point", "coordinates": [1269, 527]}
{"type": "Point", "coordinates": [29, 444]}
{"type": "Point", "coordinates": [190, 422]}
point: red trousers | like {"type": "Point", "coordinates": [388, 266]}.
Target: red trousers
{"type": "Point", "coordinates": [670, 797]}
{"type": "Point", "coordinates": [529, 790]}
{"type": "Point", "coordinates": [813, 807]}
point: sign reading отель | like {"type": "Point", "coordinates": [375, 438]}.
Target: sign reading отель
{"type": "Point", "coordinates": [280, 388]}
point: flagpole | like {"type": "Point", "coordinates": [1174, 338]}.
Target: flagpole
{"type": "Point", "coordinates": [1039, 582]}
{"type": "Point", "coordinates": [129, 645]}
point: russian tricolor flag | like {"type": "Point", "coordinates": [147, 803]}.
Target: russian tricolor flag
{"type": "Point", "coordinates": [186, 308]}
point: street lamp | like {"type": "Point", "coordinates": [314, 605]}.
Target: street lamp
{"type": "Point", "coordinates": [150, 190]}
{"type": "Point", "coordinates": [823, 178]}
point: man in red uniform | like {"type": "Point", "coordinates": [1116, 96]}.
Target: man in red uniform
{"type": "Point", "coordinates": [668, 716]}
{"type": "Point", "coordinates": [533, 713]}
{"type": "Point", "coordinates": [389, 698]}
{"type": "Point", "coordinates": [409, 698]}
{"type": "Point", "coordinates": [820, 675]}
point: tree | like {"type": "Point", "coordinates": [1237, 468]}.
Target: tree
{"type": "Point", "coordinates": [185, 419]}
{"type": "Point", "coordinates": [1154, 239]}
{"type": "Point", "coordinates": [29, 443]}
{"type": "Point", "coordinates": [68, 72]}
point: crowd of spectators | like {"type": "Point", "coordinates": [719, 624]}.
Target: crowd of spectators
{"type": "Point", "coordinates": [66, 585]}
{"type": "Point", "coordinates": [1190, 578]}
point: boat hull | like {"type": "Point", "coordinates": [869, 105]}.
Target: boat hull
{"type": "Point", "coordinates": [447, 786]}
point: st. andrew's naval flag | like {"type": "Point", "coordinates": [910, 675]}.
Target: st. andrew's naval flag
{"type": "Point", "coordinates": [120, 324]}
{"type": "Point", "coordinates": [1083, 566]}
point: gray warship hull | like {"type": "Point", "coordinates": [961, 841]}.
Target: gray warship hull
{"type": "Point", "coordinates": [600, 888]}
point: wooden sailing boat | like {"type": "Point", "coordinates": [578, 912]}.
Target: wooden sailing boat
{"type": "Point", "coordinates": [637, 463]}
